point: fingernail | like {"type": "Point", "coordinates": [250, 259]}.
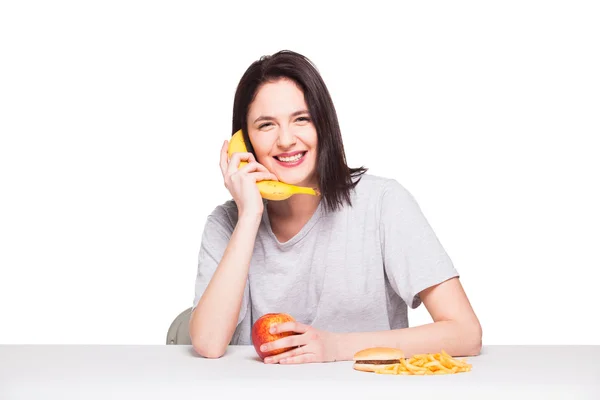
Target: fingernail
{"type": "Point", "coordinates": [272, 330]}
{"type": "Point", "coordinates": [263, 348]}
{"type": "Point", "coordinates": [283, 361]}
{"type": "Point", "coordinates": [267, 360]}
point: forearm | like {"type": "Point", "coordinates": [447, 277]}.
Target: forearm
{"type": "Point", "coordinates": [215, 318]}
{"type": "Point", "coordinates": [454, 337]}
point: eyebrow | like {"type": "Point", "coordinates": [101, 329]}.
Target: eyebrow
{"type": "Point", "coordinates": [266, 117]}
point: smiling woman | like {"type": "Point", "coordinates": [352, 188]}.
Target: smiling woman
{"type": "Point", "coordinates": [283, 107]}
{"type": "Point", "coordinates": [346, 265]}
{"type": "Point", "coordinates": [285, 141]}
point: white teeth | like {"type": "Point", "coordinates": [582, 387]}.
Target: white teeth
{"type": "Point", "coordinates": [291, 159]}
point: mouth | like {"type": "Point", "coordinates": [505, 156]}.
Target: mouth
{"type": "Point", "coordinates": [292, 159]}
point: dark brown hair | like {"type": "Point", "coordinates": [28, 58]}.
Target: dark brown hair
{"type": "Point", "coordinates": [335, 177]}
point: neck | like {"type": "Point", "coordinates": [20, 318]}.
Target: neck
{"type": "Point", "coordinates": [296, 207]}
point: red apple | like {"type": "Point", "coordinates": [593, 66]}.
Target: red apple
{"type": "Point", "coordinates": [261, 335]}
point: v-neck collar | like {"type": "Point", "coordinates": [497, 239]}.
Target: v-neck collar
{"type": "Point", "coordinates": [297, 237]}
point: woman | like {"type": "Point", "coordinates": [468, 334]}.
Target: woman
{"type": "Point", "coordinates": [346, 265]}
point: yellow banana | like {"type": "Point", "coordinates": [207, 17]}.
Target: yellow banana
{"type": "Point", "coordinates": [270, 190]}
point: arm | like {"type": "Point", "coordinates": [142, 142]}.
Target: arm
{"type": "Point", "coordinates": [455, 329]}
{"type": "Point", "coordinates": [413, 259]}
{"type": "Point", "coordinates": [214, 319]}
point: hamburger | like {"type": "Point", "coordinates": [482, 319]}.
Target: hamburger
{"type": "Point", "coordinates": [376, 358]}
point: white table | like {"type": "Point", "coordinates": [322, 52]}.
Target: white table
{"type": "Point", "coordinates": [160, 372]}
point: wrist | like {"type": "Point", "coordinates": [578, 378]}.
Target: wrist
{"type": "Point", "coordinates": [250, 219]}
{"type": "Point", "coordinates": [339, 340]}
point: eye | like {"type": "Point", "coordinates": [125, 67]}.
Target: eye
{"type": "Point", "coordinates": [303, 119]}
{"type": "Point", "coordinates": [264, 125]}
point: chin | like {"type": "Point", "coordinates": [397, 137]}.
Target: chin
{"type": "Point", "coordinates": [299, 176]}
{"type": "Point", "coordinates": [295, 179]}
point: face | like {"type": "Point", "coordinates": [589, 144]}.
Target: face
{"type": "Point", "coordinates": [282, 133]}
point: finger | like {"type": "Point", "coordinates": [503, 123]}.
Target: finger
{"type": "Point", "coordinates": [243, 155]}
{"type": "Point", "coordinates": [289, 327]}
{"type": "Point", "coordinates": [256, 166]}
{"type": "Point", "coordinates": [262, 176]}
{"type": "Point", "coordinates": [288, 341]}
{"type": "Point", "coordinates": [299, 359]}
{"type": "Point", "coordinates": [236, 158]}
{"type": "Point", "coordinates": [258, 172]}
{"type": "Point", "coordinates": [252, 166]}
{"type": "Point", "coordinates": [288, 354]}
{"type": "Point", "coordinates": [224, 157]}
{"type": "Point", "coordinates": [271, 176]}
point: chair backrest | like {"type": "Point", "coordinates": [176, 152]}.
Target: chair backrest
{"type": "Point", "coordinates": [178, 332]}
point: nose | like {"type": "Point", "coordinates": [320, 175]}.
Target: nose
{"type": "Point", "coordinates": [286, 138]}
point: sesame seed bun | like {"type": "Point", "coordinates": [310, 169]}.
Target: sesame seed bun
{"type": "Point", "coordinates": [379, 354]}
{"type": "Point", "coordinates": [377, 358]}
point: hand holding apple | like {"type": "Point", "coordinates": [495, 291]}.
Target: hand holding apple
{"type": "Point", "coordinates": [292, 342]}
{"type": "Point", "coordinates": [261, 333]}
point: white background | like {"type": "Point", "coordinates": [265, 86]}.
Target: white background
{"type": "Point", "coordinates": [112, 115]}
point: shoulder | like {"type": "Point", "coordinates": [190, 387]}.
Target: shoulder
{"type": "Point", "coordinates": [382, 198]}
{"type": "Point", "coordinates": [374, 188]}
{"type": "Point", "coordinates": [224, 215]}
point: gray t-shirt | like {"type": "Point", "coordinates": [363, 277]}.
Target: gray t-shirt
{"type": "Point", "coordinates": [353, 270]}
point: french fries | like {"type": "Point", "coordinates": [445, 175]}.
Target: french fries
{"type": "Point", "coordinates": [427, 364]}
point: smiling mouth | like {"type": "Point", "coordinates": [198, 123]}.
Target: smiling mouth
{"type": "Point", "coordinates": [291, 159]}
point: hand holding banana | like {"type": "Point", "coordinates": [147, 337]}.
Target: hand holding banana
{"type": "Point", "coordinates": [240, 175]}
{"type": "Point", "coordinates": [268, 185]}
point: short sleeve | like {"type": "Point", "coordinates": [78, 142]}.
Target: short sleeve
{"type": "Point", "coordinates": [215, 238]}
{"type": "Point", "coordinates": [414, 258]}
